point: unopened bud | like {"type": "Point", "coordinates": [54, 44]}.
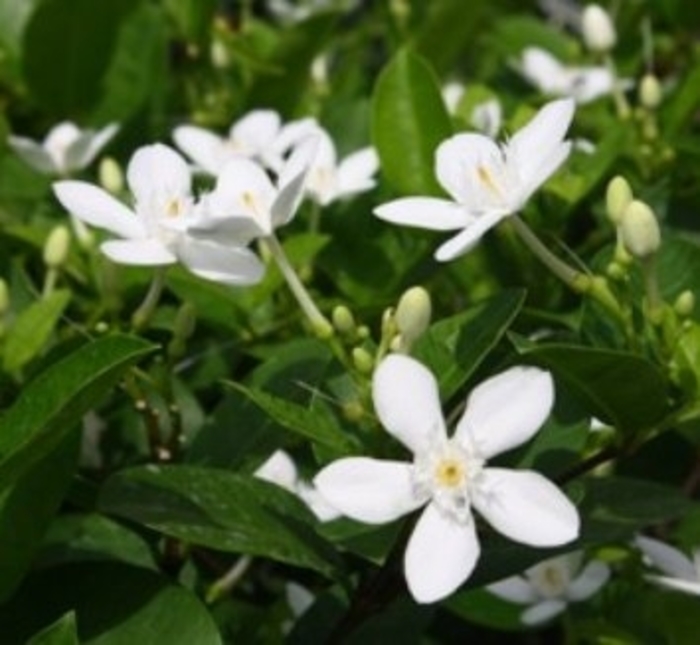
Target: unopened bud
{"type": "Point", "coordinates": [597, 29]}
{"type": "Point", "coordinates": [363, 332]}
{"type": "Point", "coordinates": [640, 230]}
{"type": "Point", "coordinates": [616, 271]}
{"type": "Point", "coordinates": [617, 198]}
{"type": "Point", "coordinates": [111, 176]}
{"type": "Point", "coordinates": [388, 323]}
{"type": "Point", "coordinates": [343, 320]}
{"type": "Point", "coordinates": [413, 314]}
{"type": "Point", "coordinates": [4, 297]}
{"type": "Point", "coordinates": [353, 410]}
{"type": "Point", "coordinates": [219, 54]}
{"type": "Point", "coordinates": [650, 92]}
{"type": "Point", "coordinates": [323, 329]}
{"type": "Point", "coordinates": [57, 247]}
{"type": "Point", "coordinates": [685, 303]}
{"type": "Point", "coordinates": [362, 360]}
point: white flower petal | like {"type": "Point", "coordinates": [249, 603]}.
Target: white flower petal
{"type": "Point", "coordinates": [256, 130]}
{"type": "Point", "coordinates": [525, 507]}
{"type": "Point", "coordinates": [676, 584]}
{"type": "Point", "coordinates": [58, 141]}
{"type": "Point", "coordinates": [292, 179]}
{"type": "Point", "coordinates": [542, 612]}
{"type": "Point", "coordinates": [543, 70]}
{"type": "Point", "coordinates": [425, 212]}
{"type": "Point", "coordinates": [226, 264]}
{"type": "Point", "coordinates": [593, 576]}
{"type": "Point", "coordinates": [368, 490]}
{"type": "Point", "coordinates": [87, 146]}
{"type": "Point", "coordinates": [666, 558]}
{"type": "Point", "coordinates": [158, 171]}
{"type": "Point", "coordinates": [33, 154]}
{"type": "Point", "coordinates": [506, 410]}
{"type": "Point", "coordinates": [538, 149]}
{"type": "Point", "coordinates": [205, 148]}
{"type": "Point", "coordinates": [514, 589]}
{"type": "Point", "coordinates": [440, 555]}
{"type": "Point", "coordinates": [407, 402]}
{"type": "Point", "coordinates": [97, 207]}
{"type": "Point", "coordinates": [144, 252]}
{"type": "Point", "coordinates": [318, 504]}
{"type": "Point", "coordinates": [356, 172]}
{"type": "Point", "coordinates": [279, 468]}
{"type": "Point", "coordinates": [299, 598]}
{"type": "Point", "coordinates": [465, 240]}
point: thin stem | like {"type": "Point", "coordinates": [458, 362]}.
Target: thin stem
{"type": "Point", "coordinates": [621, 104]}
{"type": "Point", "coordinates": [651, 286]}
{"type": "Point", "coordinates": [230, 579]}
{"type": "Point", "coordinates": [142, 316]}
{"type": "Point", "coordinates": [49, 282]}
{"type": "Point", "coordinates": [318, 321]}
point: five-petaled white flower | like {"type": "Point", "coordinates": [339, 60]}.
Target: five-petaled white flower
{"type": "Point", "coordinates": [280, 469]}
{"type": "Point", "coordinates": [680, 572]}
{"type": "Point", "coordinates": [156, 231]}
{"type": "Point", "coordinates": [65, 149]}
{"type": "Point", "coordinates": [245, 204]}
{"type": "Point", "coordinates": [251, 137]}
{"type": "Point", "coordinates": [486, 181]}
{"type": "Point", "coordinates": [551, 77]}
{"type": "Point", "coordinates": [550, 586]}
{"type": "Point", "coordinates": [450, 475]}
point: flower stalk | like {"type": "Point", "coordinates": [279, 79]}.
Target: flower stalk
{"type": "Point", "coordinates": [142, 316]}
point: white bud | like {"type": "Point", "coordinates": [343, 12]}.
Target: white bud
{"type": "Point", "coordinates": [413, 314]}
{"type": "Point", "coordinates": [343, 320]}
{"type": "Point", "coordinates": [617, 198]}
{"type": "Point", "coordinates": [56, 247]}
{"type": "Point", "coordinates": [650, 92]}
{"type": "Point", "coordinates": [111, 176]}
{"type": "Point", "coordinates": [640, 230]}
{"type": "Point", "coordinates": [598, 29]}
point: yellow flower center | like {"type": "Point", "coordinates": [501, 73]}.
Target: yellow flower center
{"type": "Point", "coordinates": [487, 180]}
{"type": "Point", "coordinates": [173, 208]}
{"type": "Point", "coordinates": [450, 473]}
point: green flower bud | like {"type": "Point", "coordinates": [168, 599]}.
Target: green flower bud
{"type": "Point", "coordinates": [4, 297]}
{"type": "Point", "coordinates": [685, 303]}
{"type": "Point", "coordinates": [617, 198]}
{"type": "Point", "coordinates": [185, 321]}
{"type": "Point", "coordinates": [343, 320]}
{"type": "Point", "coordinates": [353, 411]}
{"type": "Point", "coordinates": [597, 29]}
{"type": "Point", "coordinates": [323, 329]}
{"type": "Point", "coordinates": [362, 360]}
{"type": "Point", "coordinates": [640, 230]}
{"type": "Point", "coordinates": [111, 176]}
{"type": "Point", "coordinates": [650, 92]}
{"type": "Point", "coordinates": [413, 314]}
{"type": "Point", "coordinates": [56, 247]}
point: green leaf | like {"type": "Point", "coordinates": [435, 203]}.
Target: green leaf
{"type": "Point", "coordinates": [193, 18]}
{"type": "Point", "coordinates": [115, 604]}
{"type": "Point", "coordinates": [315, 422]}
{"type": "Point", "coordinates": [52, 404]}
{"type": "Point", "coordinates": [220, 510]}
{"type": "Point", "coordinates": [63, 632]}
{"type": "Point", "coordinates": [67, 49]}
{"type": "Point", "coordinates": [623, 389]}
{"type": "Point", "coordinates": [409, 120]}
{"type": "Point", "coordinates": [32, 328]}
{"type": "Point", "coordinates": [453, 348]}
{"type": "Point", "coordinates": [680, 107]}
{"type": "Point", "coordinates": [27, 507]}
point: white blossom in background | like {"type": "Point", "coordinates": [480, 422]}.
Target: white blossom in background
{"type": "Point", "coordinates": [487, 181]}
{"type": "Point", "coordinates": [680, 572]}
{"type": "Point", "coordinates": [487, 117]}
{"type": "Point", "coordinates": [548, 587]}
{"type": "Point", "coordinates": [252, 137]}
{"type": "Point", "coordinates": [281, 470]}
{"type": "Point", "coordinates": [450, 476]}
{"type": "Point", "coordinates": [553, 78]}
{"type": "Point", "coordinates": [452, 93]}
{"type": "Point", "coordinates": [66, 148]}
{"type": "Point", "coordinates": [597, 29]}
{"type": "Point", "coordinates": [156, 231]}
{"type": "Point", "coordinates": [293, 11]}
{"type": "Point", "coordinates": [245, 203]}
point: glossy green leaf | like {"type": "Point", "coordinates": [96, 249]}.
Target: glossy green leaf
{"type": "Point", "coordinates": [63, 632]}
{"type": "Point", "coordinates": [315, 422]}
{"type": "Point", "coordinates": [409, 120]}
{"type": "Point", "coordinates": [27, 506]}
{"type": "Point", "coordinates": [623, 389]}
{"type": "Point", "coordinates": [193, 18]}
{"type": "Point", "coordinates": [453, 348]}
{"type": "Point", "coordinates": [32, 328]}
{"type": "Point", "coordinates": [114, 604]}
{"type": "Point", "coordinates": [52, 404]}
{"type": "Point", "coordinates": [220, 510]}
{"type": "Point", "coordinates": [67, 49]}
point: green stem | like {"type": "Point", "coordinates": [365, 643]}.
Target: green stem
{"type": "Point", "coordinates": [651, 286]}
{"type": "Point", "coordinates": [142, 316]}
{"type": "Point", "coordinates": [49, 282]}
{"type": "Point", "coordinates": [229, 580]}
{"type": "Point", "coordinates": [319, 323]}
{"type": "Point", "coordinates": [621, 104]}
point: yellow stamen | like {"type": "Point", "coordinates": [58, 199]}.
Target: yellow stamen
{"type": "Point", "coordinates": [172, 208]}
{"type": "Point", "coordinates": [486, 179]}
{"type": "Point", "coordinates": [450, 473]}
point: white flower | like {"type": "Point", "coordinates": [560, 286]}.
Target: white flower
{"type": "Point", "coordinates": [450, 475]}
{"type": "Point", "coordinates": [245, 204]}
{"type": "Point", "coordinates": [65, 149]}
{"type": "Point", "coordinates": [486, 117]}
{"type": "Point", "coordinates": [250, 137]}
{"type": "Point", "coordinates": [156, 231]}
{"type": "Point", "coordinates": [550, 586]}
{"type": "Point", "coordinates": [680, 572]}
{"type": "Point", "coordinates": [597, 29]}
{"type": "Point", "coordinates": [452, 94]}
{"type": "Point", "coordinates": [551, 77]}
{"type": "Point", "coordinates": [280, 469]}
{"type": "Point", "coordinates": [485, 180]}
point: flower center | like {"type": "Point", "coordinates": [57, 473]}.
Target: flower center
{"type": "Point", "coordinates": [450, 473]}
{"type": "Point", "coordinates": [487, 180]}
